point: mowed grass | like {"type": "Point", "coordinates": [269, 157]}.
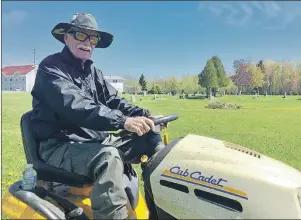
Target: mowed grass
{"type": "Point", "coordinates": [270, 125]}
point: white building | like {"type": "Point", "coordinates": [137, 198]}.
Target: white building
{"type": "Point", "coordinates": [18, 78]}
{"type": "Point", "coordinates": [22, 78]}
{"type": "Point", "coordinates": [116, 81]}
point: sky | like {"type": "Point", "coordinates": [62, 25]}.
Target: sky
{"type": "Point", "coordinates": [159, 39]}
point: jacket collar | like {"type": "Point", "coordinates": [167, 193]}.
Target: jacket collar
{"type": "Point", "coordinates": [72, 60]}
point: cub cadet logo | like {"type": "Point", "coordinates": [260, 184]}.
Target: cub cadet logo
{"type": "Point", "coordinates": [198, 178]}
{"type": "Point", "coordinates": [197, 175]}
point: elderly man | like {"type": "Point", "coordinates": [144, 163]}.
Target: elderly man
{"type": "Point", "coordinates": [73, 110]}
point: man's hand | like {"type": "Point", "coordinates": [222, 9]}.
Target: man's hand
{"type": "Point", "coordinates": [139, 125]}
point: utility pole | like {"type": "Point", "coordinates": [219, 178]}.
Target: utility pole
{"type": "Point", "coordinates": [34, 68]}
{"type": "Point", "coordinates": [34, 57]}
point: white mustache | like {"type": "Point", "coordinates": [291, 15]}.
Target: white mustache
{"type": "Point", "coordinates": [84, 47]}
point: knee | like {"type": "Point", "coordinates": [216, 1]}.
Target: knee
{"type": "Point", "coordinates": [109, 155]}
{"type": "Point", "coordinates": [107, 158]}
{"type": "Point", "coordinates": [110, 152]}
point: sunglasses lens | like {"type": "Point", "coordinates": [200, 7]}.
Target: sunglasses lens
{"type": "Point", "coordinates": [80, 36]}
{"type": "Point", "coordinates": [94, 40]}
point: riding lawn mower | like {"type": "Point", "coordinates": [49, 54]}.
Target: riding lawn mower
{"type": "Point", "coordinates": [192, 177]}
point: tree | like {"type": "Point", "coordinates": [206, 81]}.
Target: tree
{"type": "Point", "coordinates": [223, 80]}
{"type": "Point", "coordinates": [286, 72]}
{"type": "Point", "coordinates": [173, 85]}
{"type": "Point", "coordinates": [208, 77]}
{"type": "Point", "coordinates": [160, 82]}
{"type": "Point", "coordinates": [153, 90]}
{"type": "Point", "coordinates": [165, 86]}
{"type": "Point", "coordinates": [294, 82]}
{"type": "Point", "coordinates": [239, 66]}
{"type": "Point", "coordinates": [269, 73]}
{"type": "Point", "coordinates": [256, 76]}
{"type": "Point", "coordinates": [158, 89]}
{"type": "Point", "coordinates": [289, 78]}
{"type": "Point", "coordinates": [190, 84]}
{"type": "Point", "coordinates": [142, 82]}
{"type": "Point", "coordinates": [231, 88]}
{"type": "Point", "coordinates": [260, 64]}
{"type": "Point", "coordinates": [276, 79]}
{"type": "Point", "coordinates": [241, 78]}
{"type": "Point", "coordinates": [298, 70]}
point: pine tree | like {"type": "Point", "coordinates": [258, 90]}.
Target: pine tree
{"type": "Point", "coordinates": [208, 77]}
{"type": "Point", "coordinates": [223, 80]}
{"type": "Point", "coordinates": [142, 82]}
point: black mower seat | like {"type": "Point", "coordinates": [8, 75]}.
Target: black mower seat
{"type": "Point", "coordinates": [44, 171]}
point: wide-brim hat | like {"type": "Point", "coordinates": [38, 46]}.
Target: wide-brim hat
{"type": "Point", "coordinates": [82, 21]}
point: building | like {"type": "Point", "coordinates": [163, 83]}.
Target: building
{"type": "Point", "coordinates": [22, 78]}
{"type": "Point", "coordinates": [18, 78]}
{"type": "Point", "coordinates": [116, 81]}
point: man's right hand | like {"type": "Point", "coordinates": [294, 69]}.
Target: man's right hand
{"type": "Point", "coordinates": [139, 125]}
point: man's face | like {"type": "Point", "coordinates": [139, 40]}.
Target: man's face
{"type": "Point", "coordinates": [79, 48]}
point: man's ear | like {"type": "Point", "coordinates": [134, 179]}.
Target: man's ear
{"type": "Point", "coordinates": [65, 37]}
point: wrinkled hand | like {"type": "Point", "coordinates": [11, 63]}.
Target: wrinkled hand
{"type": "Point", "coordinates": [139, 125]}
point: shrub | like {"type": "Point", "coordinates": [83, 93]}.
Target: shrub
{"type": "Point", "coordinates": [215, 104]}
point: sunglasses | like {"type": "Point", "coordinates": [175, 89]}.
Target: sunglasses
{"type": "Point", "coordinates": [80, 36]}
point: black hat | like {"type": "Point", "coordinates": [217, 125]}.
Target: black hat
{"type": "Point", "coordinates": [83, 21]}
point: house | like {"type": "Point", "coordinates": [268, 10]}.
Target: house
{"type": "Point", "coordinates": [22, 78]}
{"type": "Point", "coordinates": [18, 78]}
{"type": "Point", "coordinates": [116, 81]}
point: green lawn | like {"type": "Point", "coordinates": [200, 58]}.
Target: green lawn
{"type": "Point", "coordinates": [270, 125]}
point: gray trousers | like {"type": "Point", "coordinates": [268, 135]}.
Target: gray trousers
{"type": "Point", "coordinates": [104, 164]}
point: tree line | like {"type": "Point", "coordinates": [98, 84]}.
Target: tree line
{"type": "Point", "coordinates": [266, 77]}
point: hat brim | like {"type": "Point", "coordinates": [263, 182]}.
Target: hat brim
{"type": "Point", "coordinates": [60, 29]}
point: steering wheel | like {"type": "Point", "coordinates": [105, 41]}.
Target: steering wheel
{"type": "Point", "coordinates": [158, 121]}
{"type": "Point", "coordinates": [165, 119]}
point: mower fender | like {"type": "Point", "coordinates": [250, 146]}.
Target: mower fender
{"type": "Point", "coordinates": [21, 204]}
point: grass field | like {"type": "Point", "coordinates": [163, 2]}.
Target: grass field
{"type": "Point", "coordinates": [270, 125]}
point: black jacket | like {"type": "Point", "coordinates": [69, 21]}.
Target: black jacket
{"type": "Point", "coordinates": [73, 102]}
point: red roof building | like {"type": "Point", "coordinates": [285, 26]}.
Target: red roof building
{"type": "Point", "coordinates": [18, 78]}
{"type": "Point", "coordinates": [22, 78]}
{"type": "Point", "coordinates": [21, 70]}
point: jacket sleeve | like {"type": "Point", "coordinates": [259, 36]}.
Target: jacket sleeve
{"type": "Point", "coordinates": [73, 104]}
{"type": "Point", "coordinates": [116, 102]}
